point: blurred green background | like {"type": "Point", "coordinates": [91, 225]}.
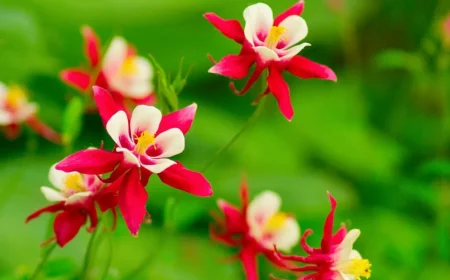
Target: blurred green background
{"type": "Point", "coordinates": [378, 139]}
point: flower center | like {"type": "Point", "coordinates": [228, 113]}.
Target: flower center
{"type": "Point", "coordinates": [129, 65]}
{"type": "Point", "coordinates": [275, 34]}
{"type": "Point", "coordinates": [74, 182]}
{"type": "Point", "coordinates": [358, 268]}
{"type": "Point", "coordinates": [15, 97]}
{"type": "Point", "coordinates": [275, 222]}
{"type": "Point", "coordinates": [144, 141]}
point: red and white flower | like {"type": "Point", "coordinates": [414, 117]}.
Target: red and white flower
{"type": "Point", "coordinates": [335, 259]}
{"type": "Point", "coordinates": [125, 74]}
{"type": "Point", "coordinates": [256, 227]}
{"type": "Point", "coordinates": [270, 43]}
{"type": "Point", "coordinates": [15, 109]}
{"type": "Point", "coordinates": [74, 196]}
{"type": "Point", "coordinates": [144, 144]}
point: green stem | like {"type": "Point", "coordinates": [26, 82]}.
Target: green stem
{"type": "Point", "coordinates": [44, 259]}
{"type": "Point", "coordinates": [88, 255]}
{"type": "Point", "coordinates": [250, 121]}
{"type": "Point", "coordinates": [109, 256]}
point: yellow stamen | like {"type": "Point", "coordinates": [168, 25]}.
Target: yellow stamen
{"type": "Point", "coordinates": [275, 34]}
{"type": "Point", "coordinates": [15, 97]}
{"type": "Point", "coordinates": [74, 182]}
{"type": "Point", "coordinates": [144, 141]}
{"type": "Point", "coordinates": [129, 66]}
{"type": "Point", "coordinates": [276, 222]}
{"type": "Point", "coordinates": [358, 268]}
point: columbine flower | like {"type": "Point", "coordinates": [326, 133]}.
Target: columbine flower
{"type": "Point", "coordinates": [125, 74]}
{"type": "Point", "coordinates": [74, 196]}
{"type": "Point", "coordinates": [271, 44]}
{"type": "Point", "coordinates": [335, 259]}
{"type": "Point", "coordinates": [144, 144]}
{"type": "Point", "coordinates": [256, 227]}
{"type": "Point", "coordinates": [15, 109]}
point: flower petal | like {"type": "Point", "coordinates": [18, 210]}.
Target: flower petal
{"type": "Point", "coordinates": [80, 198]}
{"type": "Point", "coordinates": [234, 219]}
{"type": "Point", "coordinates": [258, 21]}
{"type": "Point", "coordinates": [128, 157]}
{"type": "Point", "coordinates": [108, 197]}
{"type": "Point", "coordinates": [288, 236]}
{"type": "Point", "coordinates": [76, 78]}
{"type": "Point", "coordinates": [114, 58]}
{"type": "Point", "coordinates": [344, 249]}
{"type": "Point", "coordinates": [233, 66]}
{"type": "Point", "coordinates": [67, 224]}
{"type": "Point", "coordinates": [280, 91]}
{"type": "Point", "coordinates": [156, 165]}
{"type": "Point", "coordinates": [171, 142]}
{"type": "Point", "coordinates": [295, 10]}
{"type": "Point", "coordinates": [261, 208]}
{"type": "Point", "coordinates": [249, 262]}
{"type": "Point", "coordinates": [296, 30]}
{"type": "Point", "coordinates": [5, 118]}
{"type": "Point", "coordinates": [52, 194]}
{"type": "Point", "coordinates": [306, 69]}
{"type": "Point", "coordinates": [145, 118]}
{"type": "Point", "coordinates": [230, 28]}
{"type": "Point", "coordinates": [328, 228]}
{"type": "Point", "coordinates": [181, 119]}
{"type": "Point", "coordinates": [118, 129]}
{"type": "Point", "coordinates": [48, 209]}
{"type": "Point", "coordinates": [106, 105]}
{"type": "Point", "coordinates": [90, 161]}
{"type": "Point", "coordinates": [132, 201]}
{"type": "Point", "coordinates": [288, 54]}
{"type": "Point", "coordinates": [57, 177]}
{"type": "Point", "coordinates": [91, 45]}
{"type": "Point", "coordinates": [186, 180]}
{"type": "Point", "coordinates": [266, 55]}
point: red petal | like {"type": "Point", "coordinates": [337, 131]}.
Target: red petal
{"type": "Point", "coordinates": [307, 69]}
{"type": "Point", "coordinates": [328, 228]}
{"type": "Point", "coordinates": [132, 201]}
{"type": "Point", "coordinates": [230, 28]}
{"type": "Point", "coordinates": [66, 226]}
{"type": "Point", "coordinates": [253, 78]}
{"type": "Point", "coordinates": [90, 161]}
{"type": "Point", "coordinates": [91, 45]}
{"type": "Point", "coordinates": [235, 221]}
{"type": "Point", "coordinates": [76, 78]}
{"type": "Point", "coordinates": [48, 209]}
{"type": "Point", "coordinates": [44, 130]}
{"type": "Point", "coordinates": [233, 66]}
{"type": "Point", "coordinates": [107, 197]}
{"type": "Point", "coordinates": [181, 119]}
{"type": "Point", "coordinates": [186, 180]}
{"type": "Point", "coordinates": [280, 90]}
{"type": "Point", "coordinates": [244, 194]}
{"type": "Point", "coordinates": [295, 10]}
{"type": "Point", "coordinates": [11, 131]}
{"type": "Point", "coordinates": [249, 262]}
{"type": "Point", "coordinates": [150, 99]}
{"type": "Point", "coordinates": [339, 236]}
{"type": "Point", "coordinates": [106, 104]}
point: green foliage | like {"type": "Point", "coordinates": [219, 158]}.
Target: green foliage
{"type": "Point", "coordinates": [57, 267]}
{"type": "Point", "coordinates": [73, 120]}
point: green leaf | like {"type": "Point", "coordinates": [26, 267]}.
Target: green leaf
{"type": "Point", "coordinates": [59, 266]}
{"type": "Point", "coordinates": [73, 117]}
{"type": "Point", "coordinates": [435, 169]}
{"type": "Point", "coordinates": [399, 59]}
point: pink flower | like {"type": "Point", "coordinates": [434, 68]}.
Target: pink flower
{"type": "Point", "coordinates": [74, 197]}
{"type": "Point", "coordinates": [15, 109]}
{"type": "Point", "coordinates": [144, 144]}
{"type": "Point", "coordinates": [335, 259]}
{"type": "Point", "coordinates": [126, 75]}
{"type": "Point", "coordinates": [256, 227]}
{"type": "Point", "coordinates": [271, 43]}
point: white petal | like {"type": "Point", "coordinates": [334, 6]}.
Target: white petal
{"type": "Point", "coordinates": [78, 197]}
{"type": "Point", "coordinates": [287, 236]}
{"type": "Point", "coordinates": [171, 142]}
{"type": "Point", "coordinates": [266, 54]}
{"type": "Point", "coordinates": [25, 112]}
{"type": "Point", "coordinates": [144, 69]}
{"type": "Point", "coordinates": [145, 118]}
{"type": "Point", "coordinates": [355, 255]}
{"type": "Point", "coordinates": [58, 177]}
{"type": "Point", "coordinates": [346, 247]}
{"type": "Point", "coordinates": [160, 165]}
{"type": "Point", "coordinates": [129, 156]}
{"type": "Point", "coordinates": [342, 276]}
{"type": "Point", "coordinates": [52, 194]}
{"type": "Point", "coordinates": [261, 208]}
{"type": "Point", "coordinates": [5, 118]}
{"type": "Point", "coordinates": [296, 30]}
{"type": "Point", "coordinates": [114, 57]}
{"type": "Point", "coordinates": [3, 91]}
{"type": "Point", "coordinates": [258, 19]}
{"type": "Point", "coordinates": [290, 53]}
{"type": "Point", "coordinates": [117, 126]}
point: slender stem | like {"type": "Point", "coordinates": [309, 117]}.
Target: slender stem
{"type": "Point", "coordinates": [44, 259]}
{"type": "Point", "coordinates": [249, 122]}
{"type": "Point", "coordinates": [109, 258]}
{"type": "Point", "coordinates": [88, 255]}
